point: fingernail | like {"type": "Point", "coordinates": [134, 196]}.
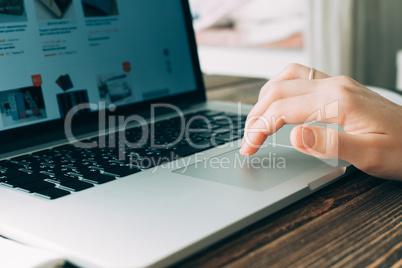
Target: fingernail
{"type": "Point", "coordinates": [308, 138]}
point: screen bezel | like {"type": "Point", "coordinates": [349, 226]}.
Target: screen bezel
{"type": "Point", "coordinates": [27, 136]}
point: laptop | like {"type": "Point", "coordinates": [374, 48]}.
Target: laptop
{"type": "Point", "coordinates": [110, 154]}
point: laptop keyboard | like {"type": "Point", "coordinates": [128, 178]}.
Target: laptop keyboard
{"type": "Point", "coordinates": [67, 169]}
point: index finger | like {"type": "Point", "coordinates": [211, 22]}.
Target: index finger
{"type": "Point", "coordinates": [316, 106]}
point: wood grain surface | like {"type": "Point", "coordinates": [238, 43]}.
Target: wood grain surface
{"type": "Point", "coordinates": [233, 89]}
{"type": "Point", "coordinates": [354, 222]}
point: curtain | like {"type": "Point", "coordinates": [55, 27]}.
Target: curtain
{"type": "Point", "coordinates": [329, 36]}
{"type": "Point", "coordinates": [399, 71]}
{"type": "Point", "coordinates": [358, 38]}
{"type": "Point", "coordinates": [377, 38]}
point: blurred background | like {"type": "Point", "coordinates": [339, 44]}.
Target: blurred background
{"type": "Point", "coordinates": [258, 38]}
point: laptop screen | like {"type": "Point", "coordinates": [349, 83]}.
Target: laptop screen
{"type": "Point", "coordinates": [56, 54]}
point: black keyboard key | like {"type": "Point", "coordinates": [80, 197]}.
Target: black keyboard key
{"type": "Point", "coordinates": [25, 179]}
{"type": "Point", "coordinates": [222, 131]}
{"type": "Point", "coordinates": [64, 148]}
{"type": "Point", "coordinates": [205, 135]}
{"type": "Point", "coordinates": [75, 175]}
{"type": "Point", "coordinates": [194, 148]}
{"type": "Point", "coordinates": [87, 171]}
{"type": "Point", "coordinates": [36, 186]}
{"type": "Point", "coordinates": [3, 178]}
{"type": "Point", "coordinates": [227, 137]}
{"type": "Point", "coordinates": [48, 173]}
{"type": "Point", "coordinates": [213, 113]}
{"type": "Point", "coordinates": [75, 185]}
{"type": "Point", "coordinates": [45, 154]}
{"type": "Point", "coordinates": [69, 167]}
{"type": "Point", "coordinates": [238, 126]}
{"type": "Point", "coordinates": [51, 193]}
{"type": "Point", "coordinates": [24, 159]}
{"type": "Point", "coordinates": [187, 150]}
{"type": "Point", "coordinates": [57, 170]}
{"type": "Point", "coordinates": [60, 179]}
{"type": "Point", "coordinates": [223, 122]}
{"type": "Point", "coordinates": [154, 160]}
{"type": "Point", "coordinates": [9, 165]}
{"type": "Point", "coordinates": [122, 171]}
{"type": "Point", "coordinates": [108, 165]}
{"type": "Point", "coordinates": [11, 173]}
{"type": "Point", "coordinates": [99, 178]}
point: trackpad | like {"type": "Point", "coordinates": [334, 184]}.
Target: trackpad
{"type": "Point", "coordinates": [269, 167]}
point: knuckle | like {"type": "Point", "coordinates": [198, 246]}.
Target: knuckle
{"type": "Point", "coordinates": [346, 80]}
{"type": "Point", "coordinates": [276, 107]}
{"type": "Point", "coordinates": [341, 89]}
{"type": "Point", "coordinates": [274, 91]}
{"type": "Point", "coordinates": [251, 118]}
{"type": "Point", "coordinates": [344, 84]}
{"type": "Point", "coordinates": [293, 67]}
{"type": "Point", "coordinates": [263, 89]}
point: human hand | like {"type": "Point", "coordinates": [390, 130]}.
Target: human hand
{"type": "Point", "coordinates": [372, 124]}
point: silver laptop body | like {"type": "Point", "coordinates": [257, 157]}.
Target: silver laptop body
{"type": "Point", "coordinates": [160, 215]}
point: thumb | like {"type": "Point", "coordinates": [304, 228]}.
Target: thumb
{"type": "Point", "coordinates": [328, 143]}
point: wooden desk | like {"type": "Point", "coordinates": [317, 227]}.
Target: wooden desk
{"type": "Point", "coordinates": [356, 221]}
